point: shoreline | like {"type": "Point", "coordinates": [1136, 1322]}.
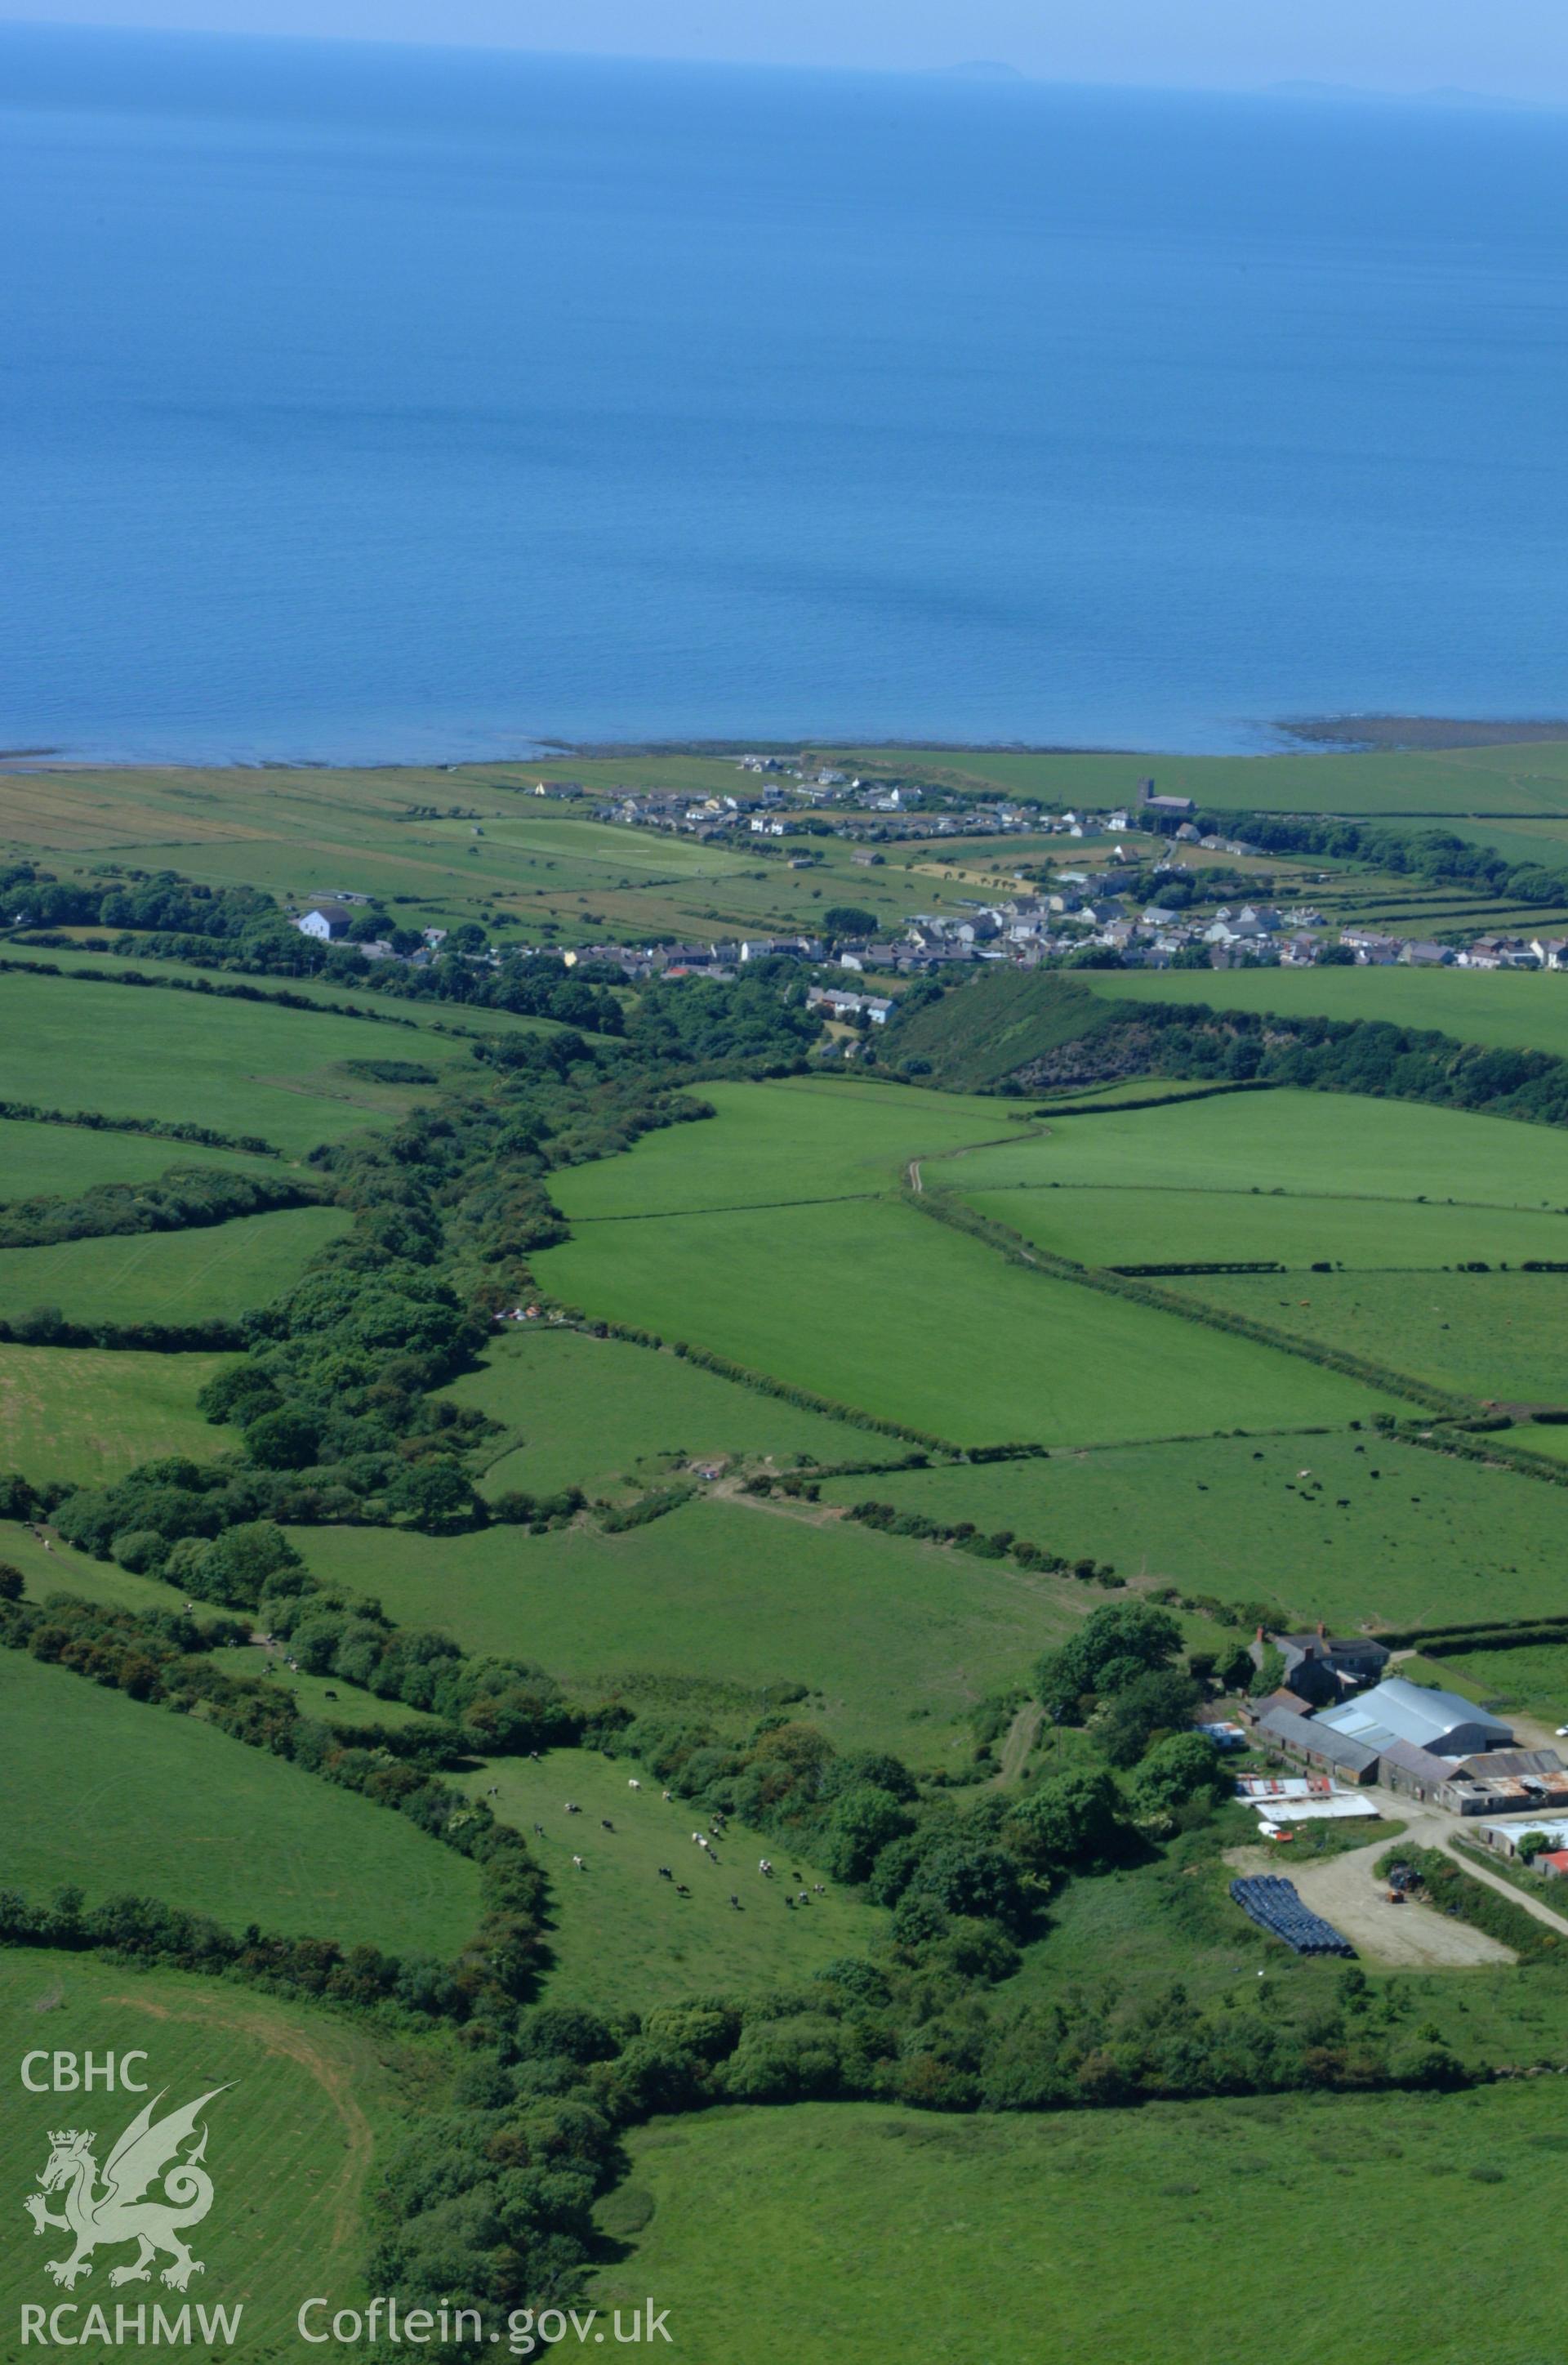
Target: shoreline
{"type": "Point", "coordinates": [1330, 734]}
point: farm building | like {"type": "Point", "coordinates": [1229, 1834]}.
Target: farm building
{"type": "Point", "coordinates": [324, 922]}
{"type": "Point", "coordinates": [1553, 1863]}
{"type": "Point", "coordinates": [1415, 1772]}
{"type": "Point", "coordinates": [1320, 1667]}
{"type": "Point", "coordinates": [1507, 1782]}
{"type": "Point", "coordinates": [1439, 1722]}
{"type": "Point", "coordinates": [1316, 1744]}
{"type": "Point", "coordinates": [1504, 1838]}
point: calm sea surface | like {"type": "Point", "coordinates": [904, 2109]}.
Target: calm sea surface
{"type": "Point", "coordinates": [357, 403]}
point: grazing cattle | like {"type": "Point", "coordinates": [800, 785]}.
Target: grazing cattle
{"type": "Point", "coordinates": [632, 1783]}
{"type": "Point", "coordinates": [665, 1873]}
{"type": "Point", "coordinates": [735, 1901]}
{"type": "Point", "coordinates": [668, 1796]}
{"type": "Point", "coordinates": [605, 1824]}
{"type": "Point", "coordinates": [330, 1695]}
{"type": "Point", "coordinates": [681, 1890]}
{"type": "Point", "coordinates": [539, 1831]}
{"type": "Point", "coordinates": [580, 1864]}
{"type": "Point", "coordinates": [764, 1866]}
{"type": "Point", "coordinates": [572, 1806]}
{"type": "Point", "coordinates": [820, 1889]}
{"type": "Point", "coordinates": [790, 1903]}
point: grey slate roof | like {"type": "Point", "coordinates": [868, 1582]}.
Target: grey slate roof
{"type": "Point", "coordinates": [1419, 1764]}
{"type": "Point", "coordinates": [1295, 1731]}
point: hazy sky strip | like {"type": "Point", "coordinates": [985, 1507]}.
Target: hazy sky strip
{"type": "Point", "coordinates": [1514, 49]}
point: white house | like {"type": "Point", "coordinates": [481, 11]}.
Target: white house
{"type": "Point", "coordinates": [324, 922]}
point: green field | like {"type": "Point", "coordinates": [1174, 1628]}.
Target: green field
{"type": "Point", "coordinates": [87, 1416]}
{"type": "Point", "coordinates": [1499, 1336]}
{"type": "Point", "coordinates": [1431, 1540]}
{"type": "Point", "coordinates": [1523, 778]}
{"type": "Point", "coordinates": [1533, 1678]}
{"type": "Point", "coordinates": [63, 1160]}
{"type": "Point", "coordinates": [1518, 1009]}
{"type": "Point", "coordinates": [587, 1412]}
{"type": "Point", "coordinates": [876, 1306]}
{"type": "Point", "coordinates": [760, 1235]}
{"type": "Point", "coordinates": [1327, 1145]}
{"type": "Point", "coordinates": [1121, 1224]}
{"type": "Point", "coordinates": [162, 1806]}
{"type": "Point", "coordinates": [210, 1272]}
{"type": "Point", "coordinates": [1147, 2237]}
{"type": "Point", "coordinates": [241, 1068]}
{"type": "Point", "coordinates": [772, 1145]}
{"type": "Point", "coordinates": [291, 2147]}
{"type": "Point", "coordinates": [56, 1568]}
{"type": "Point", "coordinates": [721, 1604]}
{"type": "Point", "coordinates": [622, 1938]}
{"type": "Point", "coordinates": [399, 1021]}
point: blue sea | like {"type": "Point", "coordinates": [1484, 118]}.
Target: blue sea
{"type": "Point", "coordinates": [359, 403]}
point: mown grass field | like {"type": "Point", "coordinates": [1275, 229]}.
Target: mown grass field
{"type": "Point", "coordinates": [1517, 1009]}
{"type": "Point", "coordinates": [1147, 2237]}
{"type": "Point", "coordinates": [622, 1938]}
{"type": "Point", "coordinates": [63, 1160]}
{"type": "Point", "coordinates": [124, 1799]}
{"type": "Point", "coordinates": [1324, 1145]}
{"type": "Point", "coordinates": [1127, 1224]}
{"type": "Point", "coordinates": [1499, 1336]}
{"type": "Point", "coordinates": [85, 1416]}
{"type": "Point", "coordinates": [1431, 1540]}
{"type": "Point", "coordinates": [719, 1608]}
{"type": "Point", "coordinates": [209, 1273]}
{"type": "Point", "coordinates": [241, 1068]}
{"type": "Point", "coordinates": [292, 2146]}
{"type": "Point", "coordinates": [591, 1412]}
{"type": "Point", "coordinates": [876, 1305]}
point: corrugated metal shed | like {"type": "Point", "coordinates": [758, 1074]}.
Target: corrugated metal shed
{"type": "Point", "coordinates": [1397, 1710]}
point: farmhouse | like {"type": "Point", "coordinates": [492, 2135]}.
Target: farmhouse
{"type": "Point", "coordinates": [324, 922]}
{"type": "Point", "coordinates": [1320, 1668]}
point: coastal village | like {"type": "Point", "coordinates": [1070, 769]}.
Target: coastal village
{"type": "Point", "coordinates": [1137, 885]}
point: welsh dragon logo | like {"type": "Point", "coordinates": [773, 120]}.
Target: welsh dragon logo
{"type": "Point", "coordinates": [98, 2215]}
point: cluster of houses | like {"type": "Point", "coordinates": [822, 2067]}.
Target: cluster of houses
{"type": "Point", "coordinates": [1374, 946]}
{"type": "Point", "coordinates": [820, 798]}
{"type": "Point", "coordinates": [834, 1004]}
